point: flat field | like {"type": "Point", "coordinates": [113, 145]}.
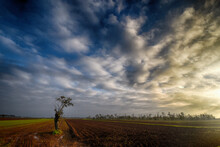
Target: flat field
{"type": "Point", "coordinates": [33, 132]}
{"type": "Point", "coordinates": [82, 132]}
{"type": "Point", "coordinates": [20, 122]}
{"type": "Point", "coordinates": [146, 133]}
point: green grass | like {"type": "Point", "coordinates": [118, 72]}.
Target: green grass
{"type": "Point", "coordinates": [57, 132]}
{"type": "Point", "coordinates": [12, 123]}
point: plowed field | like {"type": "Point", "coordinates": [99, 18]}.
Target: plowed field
{"type": "Point", "coordinates": [36, 134]}
{"type": "Point", "coordinates": [116, 133]}
{"type": "Point", "coordinates": [79, 132]}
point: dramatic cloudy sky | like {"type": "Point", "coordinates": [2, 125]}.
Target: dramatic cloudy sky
{"type": "Point", "coordinates": [110, 56]}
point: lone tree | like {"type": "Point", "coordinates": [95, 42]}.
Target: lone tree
{"type": "Point", "coordinates": [62, 102]}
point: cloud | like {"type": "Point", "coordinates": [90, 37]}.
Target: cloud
{"type": "Point", "coordinates": [112, 57]}
{"type": "Point", "coordinates": [191, 55]}
{"type": "Point", "coordinates": [10, 44]}
{"type": "Point", "coordinates": [76, 44]}
{"type": "Point", "coordinates": [112, 19]}
{"type": "Point", "coordinates": [74, 24]}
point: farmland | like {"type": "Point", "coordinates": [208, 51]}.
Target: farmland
{"type": "Point", "coordinates": [33, 132]}
{"type": "Point", "coordinates": [146, 133]}
{"type": "Point", "coordinates": [88, 132]}
{"type": "Point", "coordinates": [20, 122]}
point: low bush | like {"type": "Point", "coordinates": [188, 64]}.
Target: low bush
{"type": "Point", "coordinates": [57, 132]}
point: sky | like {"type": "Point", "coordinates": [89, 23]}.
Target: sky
{"type": "Point", "coordinates": [110, 56]}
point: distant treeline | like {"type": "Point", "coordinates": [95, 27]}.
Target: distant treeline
{"type": "Point", "coordinates": [158, 116]}
{"type": "Point", "coordinates": [5, 115]}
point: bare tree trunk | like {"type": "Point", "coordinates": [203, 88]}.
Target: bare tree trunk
{"type": "Point", "coordinates": [56, 124]}
{"type": "Point", "coordinates": [56, 121]}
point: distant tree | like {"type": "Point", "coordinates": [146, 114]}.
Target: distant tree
{"type": "Point", "coordinates": [158, 116]}
{"type": "Point", "coordinates": [61, 103]}
{"type": "Point", "coordinates": [181, 116]}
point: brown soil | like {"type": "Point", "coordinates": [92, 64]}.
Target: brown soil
{"type": "Point", "coordinates": [37, 135]}
{"type": "Point", "coordinates": [100, 133]}
{"type": "Point", "coordinates": [183, 122]}
{"type": "Point", "coordinates": [79, 133]}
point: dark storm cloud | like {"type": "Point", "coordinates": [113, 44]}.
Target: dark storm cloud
{"type": "Point", "coordinates": [109, 56]}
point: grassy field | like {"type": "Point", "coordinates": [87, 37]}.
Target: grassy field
{"type": "Point", "coordinates": [15, 123]}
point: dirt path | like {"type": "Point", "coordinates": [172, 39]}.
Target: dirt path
{"type": "Point", "coordinates": [69, 138]}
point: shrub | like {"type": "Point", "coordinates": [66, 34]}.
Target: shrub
{"type": "Point", "coordinates": [57, 132]}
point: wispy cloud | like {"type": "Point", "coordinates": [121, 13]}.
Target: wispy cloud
{"type": "Point", "coordinates": [111, 57]}
{"type": "Point", "coordinates": [10, 44]}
